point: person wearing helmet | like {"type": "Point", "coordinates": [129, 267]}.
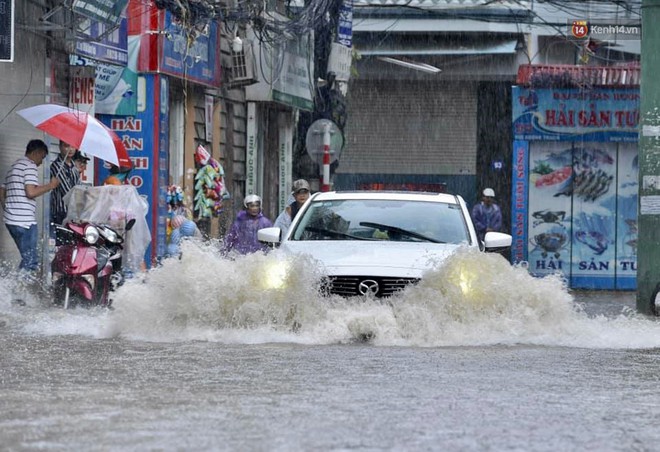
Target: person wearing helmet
{"type": "Point", "coordinates": [182, 227]}
{"type": "Point", "coordinates": [299, 196]}
{"type": "Point", "coordinates": [80, 159]}
{"type": "Point", "coordinates": [242, 236]}
{"type": "Point", "coordinates": [487, 215]}
{"type": "Point", "coordinates": [118, 175]}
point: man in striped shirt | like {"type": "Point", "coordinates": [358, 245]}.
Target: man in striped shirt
{"type": "Point", "coordinates": [65, 170]}
{"type": "Point", "coordinates": [18, 197]}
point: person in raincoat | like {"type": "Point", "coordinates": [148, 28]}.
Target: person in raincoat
{"type": "Point", "coordinates": [242, 236]}
{"type": "Point", "coordinates": [300, 195]}
{"type": "Point", "coordinates": [487, 215]}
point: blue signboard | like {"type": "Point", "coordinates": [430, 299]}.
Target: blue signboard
{"type": "Point", "coordinates": [196, 61]}
{"type": "Point", "coordinates": [519, 201]}
{"type": "Point", "coordinates": [102, 42]}
{"type": "Point", "coordinates": [575, 171]}
{"type": "Point", "coordinates": [569, 114]}
{"type": "Point", "coordinates": [146, 137]}
{"type": "Point", "coordinates": [345, 26]}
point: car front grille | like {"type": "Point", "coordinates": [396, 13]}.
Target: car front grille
{"type": "Point", "coordinates": [349, 286]}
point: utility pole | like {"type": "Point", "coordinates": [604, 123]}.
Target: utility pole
{"type": "Point", "coordinates": [648, 216]}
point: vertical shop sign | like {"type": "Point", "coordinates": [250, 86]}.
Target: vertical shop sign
{"type": "Point", "coordinates": [208, 106]}
{"type": "Point", "coordinates": [159, 189]}
{"type": "Point", "coordinates": [251, 157]}
{"type": "Point", "coordinates": [146, 144]}
{"type": "Point", "coordinates": [285, 158]}
{"type": "Point", "coordinates": [345, 25]}
{"type": "Point", "coordinates": [6, 31]}
{"type": "Point", "coordinates": [81, 98]}
{"type": "Point", "coordinates": [519, 204]}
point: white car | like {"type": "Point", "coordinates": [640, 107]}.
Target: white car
{"type": "Point", "coordinates": [375, 243]}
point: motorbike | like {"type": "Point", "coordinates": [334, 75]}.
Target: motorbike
{"type": "Point", "coordinates": [87, 265]}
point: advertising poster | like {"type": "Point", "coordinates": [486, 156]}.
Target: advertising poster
{"type": "Point", "coordinates": [116, 86]}
{"type": "Point", "coordinates": [626, 243]}
{"type": "Point", "coordinates": [593, 190]}
{"type": "Point", "coordinates": [549, 211]}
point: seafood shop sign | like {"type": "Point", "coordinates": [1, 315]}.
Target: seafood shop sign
{"type": "Point", "coordinates": [575, 186]}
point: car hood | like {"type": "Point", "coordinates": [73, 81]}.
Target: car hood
{"type": "Point", "coordinates": [388, 259]}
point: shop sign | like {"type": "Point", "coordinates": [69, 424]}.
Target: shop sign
{"type": "Point", "coordinates": [345, 25]}
{"type": "Point", "coordinates": [252, 156]}
{"type": "Point", "coordinates": [104, 11]}
{"type": "Point", "coordinates": [145, 136]}
{"type": "Point", "coordinates": [208, 117]}
{"type": "Point", "coordinates": [102, 42]}
{"type": "Point", "coordinates": [81, 98]}
{"type": "Point", "coordinates": [196, 60]}
{"type": "Point", "coordinates": [285, 158]}
{"type": "Point", "coordinates": [294, 67]}
{"type": "Point", "coordinates": [568, 114]}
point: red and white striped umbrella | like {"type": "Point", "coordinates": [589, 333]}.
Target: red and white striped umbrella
{"type": "Point", "coordinates": [79, 129]}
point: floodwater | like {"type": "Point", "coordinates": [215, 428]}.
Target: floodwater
{"type": "Point", "coordinates": [200, 356]}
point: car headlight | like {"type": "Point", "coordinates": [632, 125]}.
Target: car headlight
{"type": "Point", "coordinates": [465, 279]}
{"type": "Point", "coordinates": [275, 275]}
{"type": "Point", "coordinates": [91, 235]}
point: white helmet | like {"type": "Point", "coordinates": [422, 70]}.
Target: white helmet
{"type": "Point", "coordinates": [249, 199]}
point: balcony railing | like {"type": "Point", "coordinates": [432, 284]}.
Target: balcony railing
{"type": "Point", "coordinates": [569, 76]}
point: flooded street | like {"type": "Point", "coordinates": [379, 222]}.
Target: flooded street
{"type": "Point", "coordinates": [198, 357]}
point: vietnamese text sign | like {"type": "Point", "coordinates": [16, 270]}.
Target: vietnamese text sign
{"type": "Point", "coordinates": [550, 114]}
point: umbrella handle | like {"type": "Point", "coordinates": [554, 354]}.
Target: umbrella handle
{"type": "Point", "coordinates": [59, 172]}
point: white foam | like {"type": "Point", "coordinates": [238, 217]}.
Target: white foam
{"type": "Point", "coordinates": [471, 299]}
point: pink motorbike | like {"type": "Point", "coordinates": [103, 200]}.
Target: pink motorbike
{"type": "Point", "coordinates": [87, 264]}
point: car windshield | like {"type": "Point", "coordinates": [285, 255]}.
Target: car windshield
{"type": "Point", "coordinates": [382, 220]}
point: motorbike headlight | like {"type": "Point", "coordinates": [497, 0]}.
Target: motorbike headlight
{"type": "Point", "coordinates": [91, 235]}
{"type": "Point", "coordinates": [110, 235]}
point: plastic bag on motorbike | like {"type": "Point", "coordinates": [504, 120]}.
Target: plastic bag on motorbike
{"type": "Point", "coordinates": [113, 205]}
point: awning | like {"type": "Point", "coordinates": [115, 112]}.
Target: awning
{"type": "Point", "coordinates": [504, 47]}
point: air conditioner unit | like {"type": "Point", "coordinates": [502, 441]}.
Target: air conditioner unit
{"type": "Point", "coordinates": [242, 71]}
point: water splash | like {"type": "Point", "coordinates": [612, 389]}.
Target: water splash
{"type": "Point", "coordinates": [472, 299]}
